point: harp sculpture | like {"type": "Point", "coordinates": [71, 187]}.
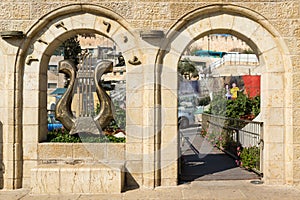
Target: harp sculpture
{"type": "Point", "coordinates": [88, 78]}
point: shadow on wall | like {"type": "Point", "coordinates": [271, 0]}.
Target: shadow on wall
{"type": "Point", "coordinates": [1, 156]}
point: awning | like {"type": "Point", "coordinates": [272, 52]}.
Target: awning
{"type": "Point", "coordinates": [58, 91]}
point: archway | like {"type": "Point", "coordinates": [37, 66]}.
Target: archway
{"type": "Point", "coordinates": [44, 37]}
{"type": "Point", "coordinates": [268, 46]}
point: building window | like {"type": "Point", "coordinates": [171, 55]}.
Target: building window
{"type": "Point", "coordinates": [52, 67]}
{"type": "Point", "coordinates": [52, 85]}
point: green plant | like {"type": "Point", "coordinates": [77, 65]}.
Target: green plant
{"type": "Point", "coordinates": [64, 137]}
{"type": "Point", "coordinates": [256, 105]}
{"type": "Point", "coordinates": [218, 104]}
{"type": "Point", "coordinates": [242, 107]}
{"type": "Point", "coordinates": [204, 101]}
{"type": "Point", "coordinates": [187, 68]}
{"type": "Point", "coordinates": [250, 157]}
{"type": "Point", "coordinates": [239, 107]}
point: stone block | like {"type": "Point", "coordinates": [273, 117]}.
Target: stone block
{"type": "Point", "coordinates": [45, 180]}
{"type": "Point", "coordinates": [275, 116]}
{"type": "Point", "coordinates": [134, 134]}
{"type": "Point", "coordinates": [274, 152]}
{"type": "Point", "coordinates": [84, 21]}
{"type": "Point", "coordinates": [134, 116]}
{"type": "Point", "coordinates": [74, 179]}
{"type": "Point", "coordinates": [296, 170]}
{"type": "Point", "coordinates": [134, 151]}
{"type": "Point", "coordinates": [82, 151]}
{"type": "Point", "coordinates": [136, 82]}
{"type": "Point", "coordinates": [296, 134]}
{"type": "Point", "coordinates": [263, 39]}
{"type": "Point", "coordinates": [34, 116]}
{"type": "Point", "coordinates": [170, 134]}
{"type": "Point", "coordinates": [295, 116]}
{"type": "Point", "coordinates": [273, 170]}
{"type": "Point", "coordinates": [170, 80]}
{"type": "Point", "coordinates": [30, 151]}
{"type": "Point", "coordinates": [247, 28]}
{"type": "Point", "coordinates": [169, 170]}
{"type": "Point", "coordinates": [129, 43]}
{"type": "Point", "coordinates": [181, 42]}
{"type": "Point", "coordinates": [116, 152]}
{"type": "Point", "coordinates": [204, 25]}
{"type": "Point", "coordinates": [134, 99]}
{"type": "Point", "coordinates": [147, 99]}
{"type": "Point", "coordinates": [169, 182]}
{"type": "Point", "coordinates": [224, 21]}
{"type": "Point", "coordinates": [296, 153]}
{"type": "Point", "coordinates": [274, 61]}
{"type": "Point", "coordinates": [169, 151]}
{"type": "Point", "coordinates": [77, 179]}
{"type": "Point", "coordinates": [98, 151]}
{"type": "Point", "coordinates": [274, 134]}
{"type": "Point", "coordinates": [169, 98]}
{"type": "Point", "coordinates": [56, 151]}
{"type": "Point", "coordinates": [170, 117]}
{"type": "Point", "coordinates": [30, 134]}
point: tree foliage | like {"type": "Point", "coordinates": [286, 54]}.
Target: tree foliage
{"type": "Point", "coordinates": [187, 68]}
{"type": "Point", "coordinates": [242, 107]}
{"type": "Point", "coordinates": [72, 49]}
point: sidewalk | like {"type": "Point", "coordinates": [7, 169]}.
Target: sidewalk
{"type": "Point", "coordinates": [230, 190]}
{"type": "Point", "coordinates": [209, 163]}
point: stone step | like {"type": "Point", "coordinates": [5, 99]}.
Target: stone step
{"type": "Point", "coordinates": [77, 178]}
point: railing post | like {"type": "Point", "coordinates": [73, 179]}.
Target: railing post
{"type": "Point", "coordinates": [261, 148]}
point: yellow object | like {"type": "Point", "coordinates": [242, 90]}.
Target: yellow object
{"type": "Point", "coordinates": [233, 92]}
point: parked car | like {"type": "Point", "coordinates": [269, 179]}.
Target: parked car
{"type": "Point", "coordinates": [185, 118]}
{"type": "Point", "coordinates": [53, 123]}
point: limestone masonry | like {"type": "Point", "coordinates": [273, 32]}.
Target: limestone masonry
{"type": "Point", "coordinates": [152, 36]}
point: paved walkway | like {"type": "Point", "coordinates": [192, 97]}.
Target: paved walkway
{"type": "Point", "coordinates": [231, 190]}
{"type": "Point", "coordinates": [210, 163]}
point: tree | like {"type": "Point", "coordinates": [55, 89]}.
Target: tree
{"type": "Point", "coordinates": [72, 49]}
{"type": "Point", "coordinates": [187, 68]}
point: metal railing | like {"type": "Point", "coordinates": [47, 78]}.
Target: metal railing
{"type": "Point", "coordinates": [235, 59]}
{"type": "Point", "coordinates": [244, 133]}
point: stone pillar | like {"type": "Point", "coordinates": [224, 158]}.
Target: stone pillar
{"type": "Point", "coordinates": [10, 114]}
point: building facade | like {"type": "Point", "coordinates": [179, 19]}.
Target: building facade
{"type": "Point", "coordinates": [151, 35]}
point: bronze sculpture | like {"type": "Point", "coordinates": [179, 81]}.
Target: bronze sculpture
{"type": "Point", "coordinates": [88, 124]}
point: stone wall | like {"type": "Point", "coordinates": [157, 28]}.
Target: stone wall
{"type": "Point", "coordinates": [271, 28]}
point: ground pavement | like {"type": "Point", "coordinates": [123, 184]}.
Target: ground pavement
{"type": "Point", "coordinates": [231, 190]}
{"type": "Point", "coordinates": [207, 162]}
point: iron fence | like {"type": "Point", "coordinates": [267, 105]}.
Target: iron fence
{"type": "Point", "coordinates": [237, 133]}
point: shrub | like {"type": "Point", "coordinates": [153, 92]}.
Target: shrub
{"type": "Point", "coordinates": [250, 157]}
{"type": "Point", "coordinates": [65, 137]}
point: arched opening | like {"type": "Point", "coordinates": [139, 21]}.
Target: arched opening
{"type": "Point", "coordinates": [262, 39]}
{"type": "Point", "coordinates": [91, 49]}
{"type": "Point", "coordinates": [42, 41]}
{"type": "Point", "coordinates": [218, 108]}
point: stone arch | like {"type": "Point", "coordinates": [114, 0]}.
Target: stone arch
{"type": "Point", "coordinates": [275, 63]}
{"type": "Point", "coordinates": [41, 41]}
